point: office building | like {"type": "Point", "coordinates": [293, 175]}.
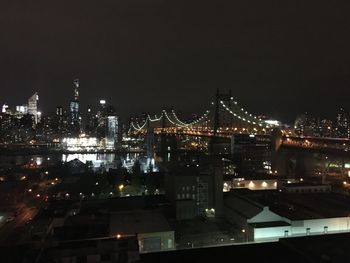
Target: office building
{"type": "Point", "coordinates": [33, 106]}
{"type": "Point", "coordinates": [195, 191]}
{"type": "Point", "coordinates": [342, 124]}
{"type": "Point", "coordinates": [112, 131]}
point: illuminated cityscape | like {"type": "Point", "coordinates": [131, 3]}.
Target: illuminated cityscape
{"type": "Point", "coordinates": [159, 132]}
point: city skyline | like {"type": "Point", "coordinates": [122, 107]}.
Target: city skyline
{"type": "Point", "coordinates": [157, 130]}
{"type": "Point", "coordinates": [152, 55]}
{"type": "Point", "coordinates": [85, 108]}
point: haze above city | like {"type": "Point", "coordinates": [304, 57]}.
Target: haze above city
{"type": "Point", "coordinates": [278, 58]}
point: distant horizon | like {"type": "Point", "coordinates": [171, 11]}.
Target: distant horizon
{"type": "Point", "coordinates": [185, 114]}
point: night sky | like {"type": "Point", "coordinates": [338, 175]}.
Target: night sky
{"type": "Point", "coordinates": [277, 57]}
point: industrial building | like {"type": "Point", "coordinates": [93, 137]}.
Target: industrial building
{"type": "Point", "coordinates": [270, 215]}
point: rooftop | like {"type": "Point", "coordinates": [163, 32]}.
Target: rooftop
{"type": "Point", "coordinates": [269, 224]}
{"type": "Point", "coordinates": [324, 248]}
{"type": "Point", "coordinates": [299, 206]}
{"type": "Point", "coordinates": [137, 222]}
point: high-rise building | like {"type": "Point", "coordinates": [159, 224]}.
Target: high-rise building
{"type": "Point", "coordinates": [342, 124]}
{"type": "Point", "coordinates": [76, 90]}
{"type": "Point", "coordinates": [4, 108]}
{"type": "Point", "coordinates": [74, 110]}
{"type": "Point", "coordinates": [327, 128]}
{"type": "Point", "coordinates": [300, 124]}
{"type": "Point", "coordinates": [59, 111]}
{"type": "Point", "coordinates": [112, 131]}
{"type": "Point", "coordinates": [102, 103]}
{"type": "Point", "coordinates": [107, 124]}
{"type": "Point", "coordinates": [74, 104]}
{"type": "Point", "coordinates": [22, 109]}
{"type": "Point", "coordinates": [305, 125]}
{"type": "Point", "coordinates": [33, 106]}
{"type": "Point", "coordinates": [90, 122]}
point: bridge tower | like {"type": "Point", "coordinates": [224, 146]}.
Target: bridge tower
{"type": "Point", "coordinates": [216, 121]}
{"type": "Point", "coordinates": [219, 97]}
{"type": "Point", "coordinates": [163, 137]}
{"type": "Point", "coordinates": [150, 141]}
{"type": "Point", "coordinates": [276, 142]}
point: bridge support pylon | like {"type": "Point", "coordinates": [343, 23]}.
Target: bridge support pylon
{"type": "Point", "coordinates": [216, 121]}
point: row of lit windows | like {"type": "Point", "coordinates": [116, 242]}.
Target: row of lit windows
{"type": "Point", "coordinates": [186, 196]}
{"type": "Point", "coordinates": [187, 188]}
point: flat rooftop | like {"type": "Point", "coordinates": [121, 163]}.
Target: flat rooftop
{"type": "Point", "coordinates": [323, 248]}
{"type": "Point", "coordinates": [137, 222]}
{"type": "Point", "coordinates": [76, 232]}
{"type": "Point", "coordinates": [299, 206]}
{"type": "Point", "coordinates": [250, 253]}
{"type": "Point", "coordinates": [120, 204]}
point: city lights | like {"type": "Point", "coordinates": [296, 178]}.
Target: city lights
{"type": "Point", "coordinates": [155, 131]}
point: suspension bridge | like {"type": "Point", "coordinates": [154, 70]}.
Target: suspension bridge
{"type": "Point", "coordinates": [223, 118]}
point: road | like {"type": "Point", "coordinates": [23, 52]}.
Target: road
{"type": "Point", "coordinates": [13, 232]}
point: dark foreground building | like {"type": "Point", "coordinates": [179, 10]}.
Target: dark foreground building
{"type": "Point", "coordinates": [326, 248]}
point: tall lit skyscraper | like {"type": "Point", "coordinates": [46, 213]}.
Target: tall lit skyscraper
{"type": "Point", "coordinates": [33, 106]}
{"type": "Point", "coordinates": [107, 125]}
{"type": "Point", "coordinates": [112, 131]}
{"type": "Point", "coordinates": [90, 122]}
{"type": "Point", "coordinates": [74, 104]}
{"type": "Point", "coordinates": [300, 124]}
{"type": "Point", "coordinates": [76, 90]}
{"type": "Point", "coordinates": [59, 111]}
{"type": "Point", "coordinates": [342, 123]}
{"type": "Point", "coordinates": [74, 110]}
{"type": "Point", "coordinates": [4, 108]}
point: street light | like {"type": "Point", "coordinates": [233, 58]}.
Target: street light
{"type": "Point", "coordinates": [245, 235]}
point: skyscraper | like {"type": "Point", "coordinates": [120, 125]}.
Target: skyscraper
{"type": "Point", "coordinates": [90, 122]}
{"type": "Point", "coordinates": [74, 109]}
{"type": "Point", "coordinates": [76, 90]}
{"type": "Point", "coordinates": [59, 111]}
{"type": "Point", "coordinates": [108, 125]}
{"type": "Point", "coordinates": [342, 124]}
{"type": "Point", "coordinates": [112, 131]}
{"type": "Point", "coordinates": [33, 106]}
{"type": "Point", "coordinates": [74, 104]}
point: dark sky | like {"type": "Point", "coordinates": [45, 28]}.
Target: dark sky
{"type": "Point", "coordinates": [278, 57]}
